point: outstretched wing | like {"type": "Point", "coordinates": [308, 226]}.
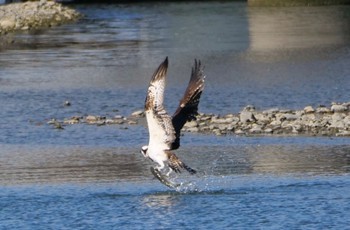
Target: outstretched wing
{"type": "Point", "coordinates": [161, 130]}
{"type": "Point", "coordinates": [188, 107]}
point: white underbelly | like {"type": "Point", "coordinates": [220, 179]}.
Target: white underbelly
{"type": "Point", "coordinates": [157, 155]}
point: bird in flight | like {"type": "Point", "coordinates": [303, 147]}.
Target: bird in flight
{"type": "Point", "coordinates": [164, 130]}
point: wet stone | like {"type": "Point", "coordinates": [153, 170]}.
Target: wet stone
{"type": "Point", "coordinates": [309, 109]}
{"type": "Point", "coordinates": [339, 108]}
{"type": "Point", "coordinates": [132, 122]}
{"type": "Point", "coordinates": [322, 121]}
{"type": "Point", "coordinates": [138, 113]}
{"type": "Point", "coordinates": [91, 118]}
{"type": "Point", "coordinates": [239, 132]}
{"type": "Point", "coordinates": [261, 117]}
{"type": "Point", "coordinates": [71, 121]}
{"type": "Point", "coordinates": [191, 124]}
{"type": "Point", "coordinates": [193, 129]}
{"type": "Point", "coordinates": [291, 117]}
{"type": "Point", "coordinates": [343, 133]}
{"type": "Point", "coordinates": [271, 111]}
{"type": "Point", "coordinates": [323, 110]}
{"type": "Point", "coordinates": [230, 127]}
{"type": "Point", "coordinates": [246, 116]}
{"type": "Point", "coordinates": [268, 130]}
{"type": "Point", "coordinates": [222, 127]}
{"type": "Point", "coordinates": [255, 129]}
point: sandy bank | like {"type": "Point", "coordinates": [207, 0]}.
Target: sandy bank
{"type": "Point", "coordinates": [34, 15]}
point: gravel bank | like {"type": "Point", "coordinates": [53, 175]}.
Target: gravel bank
{"type": "Point", "coordinates": [34, 15]}
{"type": "Point", "coordinates": [320, 121]}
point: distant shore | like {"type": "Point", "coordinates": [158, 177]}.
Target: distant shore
{"type": "Point", "coordinates": [280, 3]}
{"type": "Point", "coordinates": [320, 121]}
{"type": "Point", "coordinates": [34, 15]}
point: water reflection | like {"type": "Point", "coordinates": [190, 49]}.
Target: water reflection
{"type": "Point", "coordinates": [273, 28]}
{"type": "Point", "coordinates": [274, 159]}
{"type": "Point", "coordinates": [159, 200]}
{"type": "Point", "coordinates": [309, 159]}
{"type": "Point", "coordinates": [80, 165]}
{"type": "Point", "coordinates": [51, 165]}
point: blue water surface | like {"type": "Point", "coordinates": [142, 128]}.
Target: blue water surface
{"type": "Point", "coordinates": [94, 177]}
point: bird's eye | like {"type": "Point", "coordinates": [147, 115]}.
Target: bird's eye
{"type": "Point", "coordinates": [144, 150]}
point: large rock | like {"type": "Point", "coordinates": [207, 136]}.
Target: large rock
{"type": "Point", "coordinates": [337, 121]}
{"type": "Point", "coordinates": [338, 108]}
{"type": "Point", "coordinates": [8, 23]}
{"type": "Point", "coordinates": [247, 114]}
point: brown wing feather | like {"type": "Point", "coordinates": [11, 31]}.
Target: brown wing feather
{"type": "Point", "coordinates": [159, 122]}
{"type": "Point", "coordinates": [155, 94]}
{"type": "Point", "coordinates": [188, 107]}
{"type": "Point", "coordinates": [176, 164]}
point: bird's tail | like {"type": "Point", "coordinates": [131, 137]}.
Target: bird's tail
{"type": "Point", "coordinates": [176, 164]}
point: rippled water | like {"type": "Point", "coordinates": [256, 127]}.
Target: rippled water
{"type": "Point", "coordinates": [88, 177]}
{"type": "Point", "coordinates": [254, 183]}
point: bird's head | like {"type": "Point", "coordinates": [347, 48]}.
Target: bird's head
{"type": "Point", "coordinates": [144, 150]}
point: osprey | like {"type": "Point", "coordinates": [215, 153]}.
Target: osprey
{"type": "Point", "coordinates": [164, 130]}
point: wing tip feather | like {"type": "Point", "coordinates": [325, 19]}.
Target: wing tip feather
{"type": "Point", "coordinates": [197, 71]}
{"type": "Point", "coordinates": [161, 70]}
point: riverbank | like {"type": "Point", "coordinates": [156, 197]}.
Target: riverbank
{"type": "Point", "coordinates": [320, 121]}
{"type": "Point", "coordinates": [34, 15]}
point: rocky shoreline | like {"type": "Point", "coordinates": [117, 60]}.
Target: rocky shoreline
{"type": "Point", "coordinates": [34, 15]}
{"type": "Point", "coordinates": [320, 121]}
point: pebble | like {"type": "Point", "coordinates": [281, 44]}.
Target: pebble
{"type": "Point", "coordinates": [91, 118]}
{"type": "Point", "coordinates": [138, 113]}
{"type": "Point", "coordinates": [343, 134]}
{"type": "Point", "coordinates": [191, 124]}
{"type": "Point", "coordinates": [239, 132]}
{"type": "Point", "coordinates": [132, 123]}
{"type": "Point", "coordinates": [56, 124]}
{"type": "Point", "coordinates": [71, 121]}
{"type": "Point", "coordinates": [268, 130]}
{"type": "Point", "coordinates": [118, 121]}
{"type": "Point", "coordinates": [246, 116]}
{"type": "Point", "coordinates": [339, 108]}
{"type": "Point", "coordinates": [193, 130]}
{"type": "Point", "coordinates": [271, 111]}
{"type": "Point", "coordinates": [276, 123]}
{"type": "Point", "coordinates": [255, 129]}
{"type": "Point", "coordinates": [322, 121]}
{"type": "Point", "coordinates": [67, 103]}
{"type": "Point", "coordinates": [323, 110]}
{"type": "Point", "coordinates": [309, 109]}
{"type": "Point", "coordinates": [262, 117]}
{"type": "Point", "coordinates": [222, 127]}
{"type": "Point", "coordinates": [291, 117]}
{"type": "Point", "coordinates": [347, 121]}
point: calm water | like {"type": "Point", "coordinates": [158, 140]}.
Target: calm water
{"type": "Point", "coordinates": [88, 177]}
